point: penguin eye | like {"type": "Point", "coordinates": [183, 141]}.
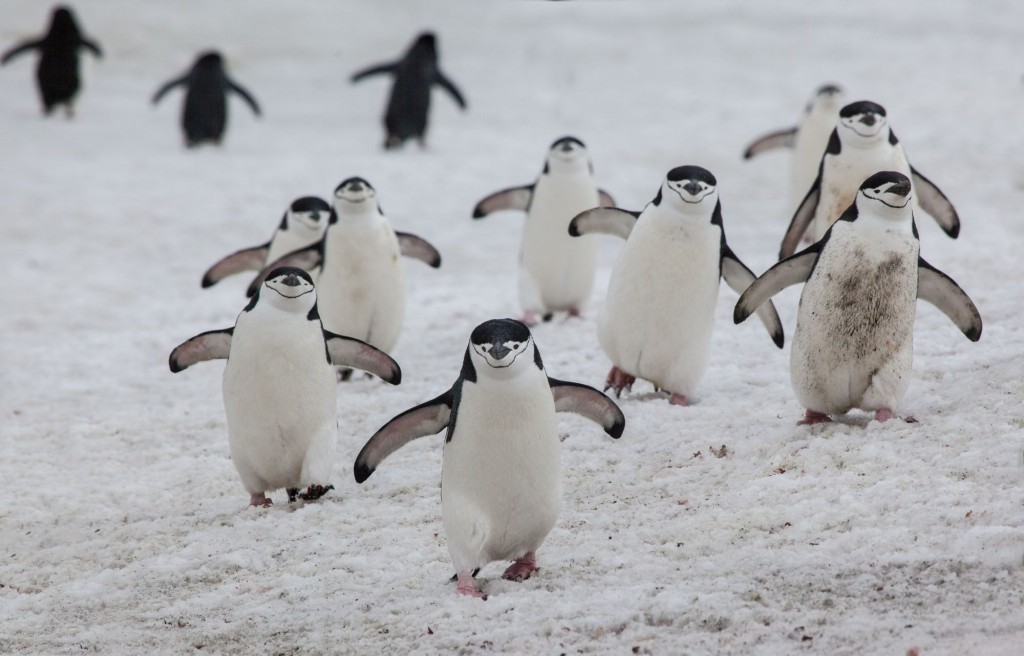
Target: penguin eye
{"type": "Point", "coordinates": [514, 345]}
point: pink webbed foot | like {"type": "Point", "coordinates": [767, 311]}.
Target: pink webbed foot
{"type": "Point", "coordinates": [678, 399]}
{"type": "Point", "coordinates": [260, 500]}
{"type": "Point", "coordinates": [521, 569]}
{"type": "Point", "coordinates": [618, 380]}
{"type": "Point", "coordinates": [529, 318]}
{"type": "Point", "coordinates": [883, 414]}
{"type": "Point", "coordinates": [814, 417]}
{"type": "Point", "coordinates": [467, 586]}
{"type": "Point", "coordinates": [575, 313]}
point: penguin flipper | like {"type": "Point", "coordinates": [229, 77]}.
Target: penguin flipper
{"type": "Point", "coordinates": [425, 419]}
{"type": "Point", "coordinates": [934, 202]}
{"type": "Point", "coordinates": [167, 86]}
{"type": "Point", "coordinates": [941, 291]}
{"type": "Point", "coordinates": [377, 69]}
{"type": "Point", "coordinates": [307, 259]}
{"type": "Point", "coordinates": [778, 139]}
{"type": "Point", "coordinates": [605, 199]}
{"type": "Point", "coordinates": [604, 220]}
{"type": "Point", "coordinates": [513, 198]}
{"type": "Point", "coordinates": [211, 345]}
{"type": "Point", "coordinates": [246, 96]}
{"type": "Point", "coordinates": [352, 352]}
{"type": "Point", "coordinates": [450, 87]}
{"type": "Point", "coordinates": [20, 49]}
{"type": "Point", "coordinates": [801, 219]}
{"type": "Point", "coordinates": [418, 248]}
{"type": "Point", "coordinates": [92, 47]}
{"type": "Point", "coordinates": [790, 271]}
{"type": "Point", "coordinates": [247, 259]}
{"type": "Point", "coordinates": [587, 401]}
{"type": "Point", "coordinates": [739, 278]}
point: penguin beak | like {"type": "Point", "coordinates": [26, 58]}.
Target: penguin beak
{"type": "Point", "coordinates": [692, 187]}
{"type": "Point", "coordinates": [355, 186]}
{"type": "Point", "coordinates": [868, 119]}
{"type": "Point", "coordinates": [567, 147]}
{"type": "Point", "coordinates": [498, 351]}
{"type": "Point", "coordinates": [901, 188]}
{"type": "Point", "coordinates": [291, 280]}
{"type": "Point", "coordinates": [315, 216]}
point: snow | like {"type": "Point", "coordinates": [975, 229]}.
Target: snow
{"type": "Point", "coordinates": [718, 528]}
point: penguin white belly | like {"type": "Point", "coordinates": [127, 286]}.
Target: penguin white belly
{"type": "Point", "coordinates": [844, 179]}
{"type": "Point", "coordinates": [659, 313]}
{"type": "Point", "coordinates": [557, 271]}
{"type": "Point", "coordinates": [279, 397]}
{"type": "Point", "coordinates": [288, 241]}
{"type": "Point", "coordinates": [500, 481]}
{"type": "Point", "coordinates": [808, 147]}
{"type": "Point", "coordinates": [853, 346]}
{"type": "Point", "coordinates": [361, 289]}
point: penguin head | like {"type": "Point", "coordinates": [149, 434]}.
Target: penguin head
{"type": "Point", "coordinates": [290, 289]}
{"type": "Point", "coordinates": [62, 22]}
{"type": "Point", "coordinates": [690, 190]}
{"type": "Point", "coordinates": [209, 60]}
{"type": "Point", "coordinates": [502, 348]}
{"type": "Point", "coordinates": [354, 195]}
{"type": "Point", "coordinates": [828, 98]}
{"type": "Point", "coordinates": [888, 194]}
{"type": "Point", "coordinates": [862, 122]}
{"type": "Point", "coordinates": [309, 212]}
{"type": "Point", "coordinates": [567, 154]}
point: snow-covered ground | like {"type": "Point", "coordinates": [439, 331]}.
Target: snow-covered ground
{"type": "Point", "coordinates": [717, 528]}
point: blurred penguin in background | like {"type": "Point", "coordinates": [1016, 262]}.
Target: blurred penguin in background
{"type": "Point", "coordinates": [57, 72]}
{"type": "Point", "coordinates": [415, 74]}
{"type": "Point", "coordinates": [205, 113]}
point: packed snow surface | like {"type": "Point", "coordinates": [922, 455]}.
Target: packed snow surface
{"type": "Point", "coordinates": [716, 528]}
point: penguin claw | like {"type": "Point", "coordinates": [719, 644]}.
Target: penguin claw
{"type": "Point", "coordinates": [814, 417]}
{"type": "Point", "coordinates": [314, 492]}
{"type": "Point", "coordinates": [521, 569]}
{"type": "Point", "coordinates": [619, 380]}
{"type": "Point", "coordinates": [467, 586]}
{"type": "Point", "coordinates": [260, 500]}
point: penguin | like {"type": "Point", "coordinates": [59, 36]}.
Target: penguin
{"type": "Point", "coordinates": [861, 144]}
{"type": "Point", "coordinates": [807, 138]}
{"type": "Point", "coordinates": [556, 272]}
{"type": "Point", "coordinates": [361, 282]}
{"type": "Point", "coordinates": [205, 112]}
{"type": "Point", "coordinates": [500, 478]}
{"type": "Point", "coordinates": [279, 386]}
{"type": "Point", "coordinates": [853, 346]}
{"type": "Point", "coordinates": [57, 74]}
{"type": "Point", "coordinates": [303, 223]}
{"type": "Point", "coordinates": [659, 312]}
{"type": "Point", "coordinates": [414, 76]}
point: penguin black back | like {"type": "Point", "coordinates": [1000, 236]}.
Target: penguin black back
{"type": "Point", "coordinates": [57, 74]}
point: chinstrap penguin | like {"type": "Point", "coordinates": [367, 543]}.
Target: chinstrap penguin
{"type": "Point", "coordinates": [861, 145]}
{"type": "Point", "coordinates": [556, 272]}
{"type": "Point", "coordinates": [302, 224]}
{"type": "Point", "coordinates": [659, 312]}
{"type": "Point", "coordinates": [205, 112]}
{"type": "Point", "coordinates": [415, 74]}
{"type": "Point", "coordinates": [853, 346]}
{"type": "Point", "coordinates": [500, 480]}
{"type": "Point", "coordinates": [57, 74]}
{"type": "Point", "coordinates": [807, 139]}
{"type": "Point", "coordinates": [279, 386]}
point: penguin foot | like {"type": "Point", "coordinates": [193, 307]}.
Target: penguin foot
{"type": "Point", "coordinates": [813, 417]}
{"type": "Point", "coordinates": [618, 380]}
{"type": "Point", "coordinates": [314, 492]}
{"type": "Point", "coordinates": [521, 569]}
{"type": "Point", "coordinates": [529, 318]}
{"type": "Point", "coordinates": [467, 586]}
{"type": "Point", "coordinates": [260, 500]}
{"type": "Point", "coordinates": [883, 414]}
{"type": "Point", "coordinates": [678, 399]}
